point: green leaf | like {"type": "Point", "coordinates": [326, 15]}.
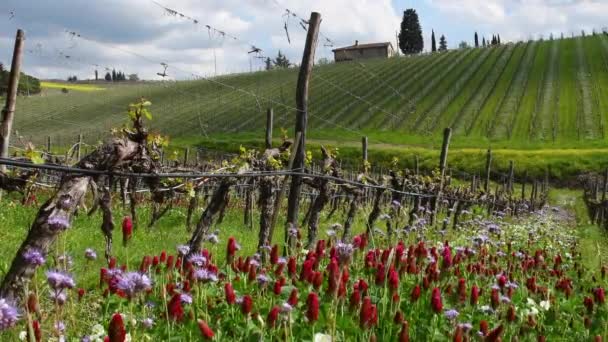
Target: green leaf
{"type": "Point", "coordinates": [37, 159]}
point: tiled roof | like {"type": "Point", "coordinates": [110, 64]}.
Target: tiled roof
{"type": "Point", "coordinates": [363, 46]}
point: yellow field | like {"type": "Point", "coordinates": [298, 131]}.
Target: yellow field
{"type": "Point", "coordinates": [69, 86]}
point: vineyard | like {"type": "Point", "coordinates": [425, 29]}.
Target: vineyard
{"type": "Point", "coordinates": [520, 92]}
{"type": "Point", "coordinates": [372, 256]}
{"type": "Point", "coordinates": [416, 198]}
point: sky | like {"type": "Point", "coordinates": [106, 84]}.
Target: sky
{"type": "Point", "coordinates": [136, 36]}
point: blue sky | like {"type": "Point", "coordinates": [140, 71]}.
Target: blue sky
{"type": "Point", "coordinates": [135, 36]}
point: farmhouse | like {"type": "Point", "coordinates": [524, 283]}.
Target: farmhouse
{"type": "Point", "coordinates": [363, 51]}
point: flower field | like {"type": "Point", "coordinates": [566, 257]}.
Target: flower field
{"type": "Point", "coordinates": [489, 280]}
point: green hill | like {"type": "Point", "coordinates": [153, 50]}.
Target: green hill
{"type": "Point", "coordinates": [537, 94]}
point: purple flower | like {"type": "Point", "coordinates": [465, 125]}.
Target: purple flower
{"type": "Point", "coordinates": [344, 251]}
{"type": "Point", "coordinates": [197, 259]}
{"type": "Point", "coordinates": [254, 262]}
{"type": "Point", "coordinates": [57, 222]}
{"type": "Point", "coordinates": [213, 238]}
{"type": "Point", "coordinates": [183, 250]}
{"type": "Point", "coordinates": [465, 326]}
{"type": "Point", "coordinates": [147, 323]}
{"type": "Point", "coordinates": [114, 272]}
{"type": "Point", "coordinates": [186, 298]}
{"type": "Point", "coordinates": [58, 280]}
{"type": "Point", "coordinates": [451, 314]}
{"type": "Point", "coordinates": [202, 274]}
{"type": "Point", "coordinates": [286, 307]}
{"type": "Point", "coordinates": [59, 326]}
{"type": "Point", "coordinates": [34, 257]}
{"type": "Point", "coordinates": [293, 231]}
{"type": "Point", "coordinates": [282, 261]}
{"type": "Point", "coordinates": [59, 296]}
{"type": "Point", "coordinates": [90, 254]}
{"type": "Point", "coordinates": [263, 279]}
{"type": "Point", "coordinates": [133, 282]}
{"type": "Point", "coordinates": [8, 315]}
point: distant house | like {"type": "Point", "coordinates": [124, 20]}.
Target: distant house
{"type": "Point", "coordinates": [363, 51]}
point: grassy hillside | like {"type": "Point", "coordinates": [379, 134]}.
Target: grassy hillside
{"type": "Point", "coordinates": [538, 94]}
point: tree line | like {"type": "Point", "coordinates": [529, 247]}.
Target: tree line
{"type": "Point", "coordinates": [28, 85]}
{"type": "Point", "coordinates": [411, 41]}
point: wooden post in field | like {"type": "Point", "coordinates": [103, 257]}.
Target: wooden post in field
{"type": "Point", "coordinates": [605, 189]}
{"type": "Point", "coordinates": [510, 179]}
{"type": "Point", "coordinates": [11, 97]}
{"type": "Point", "coordinates": [302, 115]}
{"type": "Point", "coordinates": [523, 185]}
{"type": "Point", "coordinates": [269, 119]}
{"type": "Point", "coordinates": [279, 197]}
{"type": "Point", "coordinates": [416, 165]}
{"type": "Point", "coordinates": [486, 185]}
{"type": "Point", "coordinates": [48, 144]}
{"type": "Point", "coordinates": [364, 150]}
{"type": "Point", "coordinates": [443, 159]}
{"type": "Point", "coordinates": [186, 156]}
{"type": "Point", "coordinates": [79, 148]}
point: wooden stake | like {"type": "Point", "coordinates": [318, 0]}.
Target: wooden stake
{"type": "Point", "coordinates": [510, 179]}
{"type": "Point", "coordinates": [302, 114]}
{"type": "Point", "coordinates": [79, 148]}
{"type": "Point", "coordinates": [186, 156]}
{"type": "Point", "coordinates": [364, 149]}
{"type": "Point", "coordinates": [11, 98]}
{"type": "Point", "coordinates": [269, 119]}
{"type": "Point", "coordinates": [486, 185]}
{"type": "Point", "coordinates": [605, 185]}
{"type": "Point", "coordinates": [443, 159]}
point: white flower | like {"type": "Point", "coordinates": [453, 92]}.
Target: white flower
{"type": "Point", "coordinates": [545, 305]}
{"type": "Point", "coordinates": [97, 333]}
{"type": "Point", "coordinates": [23, 335]}
{"type": "Point", "coordinates": [322, 338]}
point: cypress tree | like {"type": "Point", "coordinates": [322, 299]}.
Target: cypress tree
{"type": "Point", "coordinates": [433, 42]}
{"type": "Point", "coordinates": [476, 40]}
{"type": "Point", "coordinates": [443, 44]}
{"type": "Point", "coordinates": [410, 36]}
{"type": "Point", "coordinates": [113, 75]}
{"type": "Point", "coordinates": [484, 41]}
{"type": "Point", "coordinates": [498, 39]}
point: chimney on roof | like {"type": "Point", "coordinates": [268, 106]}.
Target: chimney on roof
{"type": "Point", "coordinates": [356, 43]}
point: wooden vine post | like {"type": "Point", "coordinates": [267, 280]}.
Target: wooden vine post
{"type": "Point", "coordinates": [269, 120]}
{"type": "Point", "coordinates": [364, 149]}
{"type": "Point", "coordinates": [11, 98]}
{"type": "Point", "coordinates": [510, 179]}
{"type": "Point", "coordinates": [302, 115]}
{"type": "Point", "coordinates": [486, 185]}
{"type": "Point", "coordinates": [443, 161]}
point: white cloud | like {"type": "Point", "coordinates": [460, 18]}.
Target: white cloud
{"type": "Point", "coordinates": [521, 19]}
{"type": "Point", "coordinates": [142, 27]}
